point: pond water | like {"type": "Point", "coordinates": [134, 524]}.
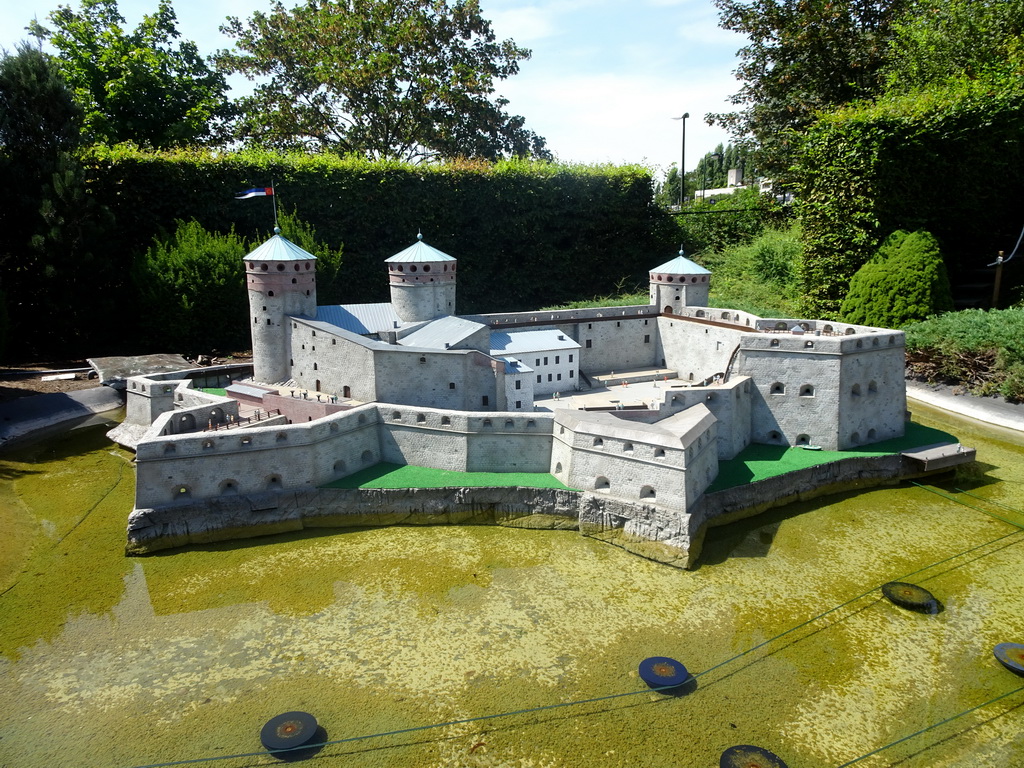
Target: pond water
{"type": "Point", "coordinates": [114, 661]}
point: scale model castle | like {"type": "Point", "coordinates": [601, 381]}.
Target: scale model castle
{"type": "Point", "coordinates": [336, 389]}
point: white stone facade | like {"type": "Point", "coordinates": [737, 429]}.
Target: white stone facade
{"type": "Point", "coordinates": [466, 401]}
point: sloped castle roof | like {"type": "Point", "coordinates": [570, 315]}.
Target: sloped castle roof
{"type": "Point", "coordinates": [279, 248]}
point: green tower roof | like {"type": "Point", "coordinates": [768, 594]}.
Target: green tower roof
{"type": "Point", "coordinates": [279, 248]}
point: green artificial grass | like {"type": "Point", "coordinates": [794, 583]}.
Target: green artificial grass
{"type": "Point", "coordinates": [759, 462]}
{"type": "Point", "coordinates": [405, 476]}
{"type": "Point", "coordinates": [215, 391]}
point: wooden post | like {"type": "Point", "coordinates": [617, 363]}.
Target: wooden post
{"type": "Point", "coordinates": [999, 279]}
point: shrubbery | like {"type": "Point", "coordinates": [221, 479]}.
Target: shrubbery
{"type": "Point", "coordinates": [760, 276]}
{"type": "Point", "coordinates": [905, 281]}
{"type": "Point", "coordinates": [983, 350]}
{"type": "Point", "coordinates": [192, 285]}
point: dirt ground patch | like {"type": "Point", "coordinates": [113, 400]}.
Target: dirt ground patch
{"type": "Point", "coordinates": [25, 379]}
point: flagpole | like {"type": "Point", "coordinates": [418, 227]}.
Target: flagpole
{"type": "Point", "coordinates": [274, 195]}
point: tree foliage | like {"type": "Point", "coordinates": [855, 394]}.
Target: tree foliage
{"type": "Point", "coordinates": [904, 282]}
{"type": "Point", "coordinates": [49, 227]}
{"type": "Point", "coordinates": [405, 79]}
{"type": "Point", "coordinates": [803, 56]}
{"type": "Point", "coordinates": [192, 284]}
{"type": "Point", "coordinates": [143, 86]}
{"type": "Point", "coordinates": [940, 39]}
{"type": "Point", "coordinates": [944, 155]}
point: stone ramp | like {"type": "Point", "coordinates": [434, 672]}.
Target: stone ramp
{"type": "Point", "coordinates": [29, 418]}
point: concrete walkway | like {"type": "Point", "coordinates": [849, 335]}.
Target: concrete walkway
{"type": "Point", "coordinates": [990, 410]}
{"type": "Point", "coordinates": [28, 418]}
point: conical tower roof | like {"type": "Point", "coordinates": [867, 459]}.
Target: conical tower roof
{"type": "Point", "coordinates": [419, 252]}
{"type": "Point", "coordinates": [681, 265]}
{"type": "Point", "coordinates": [279, 248]}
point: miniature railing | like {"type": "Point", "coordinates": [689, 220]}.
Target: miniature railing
{"type": "Point", "coordinates": [238, 421]}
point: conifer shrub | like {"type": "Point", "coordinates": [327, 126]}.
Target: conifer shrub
{"type": "Point", "coordinates": [904, 282]}
{"type": "Point", "coordinates": [981, 350]}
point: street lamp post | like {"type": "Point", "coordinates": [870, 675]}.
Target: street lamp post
{"type": "Point", "coordinates": [682, 162]}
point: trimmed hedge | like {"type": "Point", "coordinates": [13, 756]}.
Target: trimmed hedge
{"type": "Point", "coordinates": [526, 233]}
{"type": "Point", "coordinates": [946, 160]}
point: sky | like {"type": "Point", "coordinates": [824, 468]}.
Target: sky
{"type": "Point", "coordinates": [604, 82]}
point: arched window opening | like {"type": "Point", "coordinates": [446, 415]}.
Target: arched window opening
{"type": "Point", "coordinates": [659, 453]}
{"type": "Point", "coordinates": [598, 442]}
{"type": "Point", "coordinates": [627, 447]}
{"type": "Point", "coordinates": [339, 466]}
{"type": "Point", "coordinates": [774, 343]}
{"type": "Point", "coordinates": [807, 390]}
{"type": "Point", "coordinates": [872, 388]}
{"type": "Point", "coordinates": [229, 488]}
{"type": "Point", "coordinates": [855, 438]}
{"type": "Point", "coordinates": [274, 483]}
{"type": "Point", "coordinates": [647, 492]}
{"type": "Point", "coordinates": [778, 388]}
{"type": "Point", "coordinates": [420, 418]}
{"type": "Point", "coordinates": [803, 440]}
{"type": "Point", "coordinates": [601, 483]}
{"type": "Point", "coordinates": [855, 390]}
{"type": "Point", "coordinates": [558, 468]}
{"type": "Point", "coordinates": [446, 421]}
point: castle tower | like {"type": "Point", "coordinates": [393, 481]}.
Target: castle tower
{"type": "Point", "coordinates": [679, 283]}
{"type": "Point", "coordinates": [281, 278]}
{"type": "Point", "coordinates": [422, 281]}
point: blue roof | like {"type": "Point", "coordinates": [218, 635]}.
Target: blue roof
{"type": "Point", "coordinates": [419, 252]}
{"type": "Point", "coordinates": [681, 265]}
{"type": "Point", "coordinates": [278, 248]}
{"type": "Point", "coordinates": [360, 318]}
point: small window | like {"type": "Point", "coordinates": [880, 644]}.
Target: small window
{"type": "Point", "coordinates": [855, 390]}
{"type": "Point", "coordinates": [775, 343]}
{"type": "Point", "coordinates": [545, 361]}
{"type": "Point", "coordinates": [446, 421]}
{"type": "Point", "coordinates": [487, 423]}
{"type": "Point", "coordinates": [601, 483]}
{"type": "Point", "coordinates": [627, 447]}
{"type": "Point", "coordinates": [537, 364]}
{"type": "Point", "coordinates": [556, 359]}
{"type": "Point", "coordinates": [872, 388]}
{"type": "Point", "coordinates": [396, 416]}
{"type": "Point", "coordinates": [509, 424]}
{"type": "Point", "coordinates": [807, 390]}
{"type": "Point", "coordinates": [519, 383]}
{"type": "Point", "coordinates": [558, 376]}
{"type": "Point", "coordinates": [570, 374]}
{"type": "Point", "coordinates": [485, 400]}
{"type": "Point", "coordinates": [570, 358]}
{"type": "Point", "coordinates": [539, 378]}
{"type": "Point", "coordinates": [778, 388]}
{"type": "Point", "coordinates": [647, 338]}
{"type": "Point", "coordinates": [659, 453]}
{"type": "Point", "coordinates": [451, 385]}
{"type": "Point", "coordinates": [420, 418]}
{"type": "Point", "coordinates": [588, 345]}
{"type": "Point", "coordinates": [549, 377]}
{"type": "Point", "coordinates": [519, 404]}
{"type": "Point", "coordinates": [598, 442]}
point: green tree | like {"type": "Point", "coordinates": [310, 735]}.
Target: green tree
{"type": "Point", "coordinates": [144, 86]}
{"type": "Point", "coordinates": [803, 56]}
{"type": "Point", "coordinates": [49, 228]}
{"type": "Point", "coordinates": [941, 39]}
{"type": "Point", "coordinates": [904, 282]}
{"type": "Point", "coordinates": [407, 79]}
{"type": "Point", "coordinates": [192, 285]}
